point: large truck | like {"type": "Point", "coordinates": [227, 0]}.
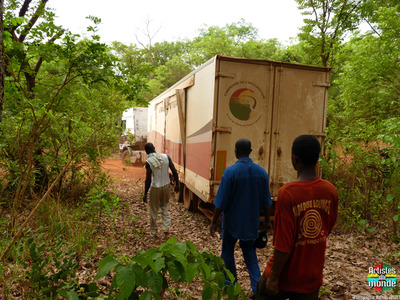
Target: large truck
{"type": "Point", "coordinates": [198, 120]}
{"type": "Point", "coordinates": [133, 135]}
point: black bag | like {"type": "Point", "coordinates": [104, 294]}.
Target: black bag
{"type": "Point", "coordinates": [262, 240]}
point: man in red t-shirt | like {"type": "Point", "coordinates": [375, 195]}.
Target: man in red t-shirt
{"type": "Point", "coordinates": [306, 211]}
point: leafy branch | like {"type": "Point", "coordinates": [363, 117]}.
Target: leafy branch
{"type": "Point", "coordinates": [145, 275]}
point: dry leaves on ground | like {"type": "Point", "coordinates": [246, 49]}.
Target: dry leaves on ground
{"type": "Point", "coordinates": [348, 255]}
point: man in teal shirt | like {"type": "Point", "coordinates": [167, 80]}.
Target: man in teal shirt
{"type": "Point", "coordinates": [242, 197]}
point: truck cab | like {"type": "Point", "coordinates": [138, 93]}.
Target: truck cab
{"type": "Point", "coordinates": [133, 135]}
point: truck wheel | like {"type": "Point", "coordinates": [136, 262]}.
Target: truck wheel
{"type": "Point", "coordinates": [181, 192]}
{"type": "Point", "coordinates": [195, 203]}
{"type": "Point", "coordinates": [188, 199]}
{"type": "Point", "coordinates": [125, 157]}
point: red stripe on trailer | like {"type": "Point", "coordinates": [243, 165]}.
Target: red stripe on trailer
{"type": "Point", "coordinates": [174, 150]}
{"type": "Point", "coordinates": [198, 158]}
{"type": "Point", "coordinates": [198, 155]}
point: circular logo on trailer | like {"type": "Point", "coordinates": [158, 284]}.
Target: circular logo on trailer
{"type": "Point", "coordinates": [242, 104]}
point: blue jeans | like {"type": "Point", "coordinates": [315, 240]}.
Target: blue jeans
{"type": "Point", "coordinates": [249, 255]}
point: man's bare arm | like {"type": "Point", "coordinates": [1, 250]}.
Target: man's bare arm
{"type": "Point", "coordinates": [213, 225]}
{"type": "Point", "coordinates": [280, 259]}
{"type": "Point", "coordinates": [174, 172]}
{"type": "Point", "coordinates": [267, 222]}
{"type": "Point", "coordinates": [147, 182]}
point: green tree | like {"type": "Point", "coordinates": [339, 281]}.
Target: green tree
{"type": "Point", "coordinates": [369, 82]}
{"type": "Point", "coordinates": [63, 96]}
{"type": "Point", "coordinates": [157, 71]}
{"type": "Point", "coordinates": [260, 49]}
{"type": "Point", "coordinates": [171, 61]}
{"type": "Point", "coordinates": [364, 124]}
{"type": "Point", "coordinates": [133, 68]}
{"type": "Point", "coordinates": [215, 40]}
{"type": "Point", "coordinates": [327, 25]}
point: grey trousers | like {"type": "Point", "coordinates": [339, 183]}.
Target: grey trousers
{"type": "Point", "coordinates": [159, 200]}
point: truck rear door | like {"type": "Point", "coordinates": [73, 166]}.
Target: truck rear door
{"type": "Point", "coordinates": [299, 107]}
{"type": "Point", "coordinates": [243, 109]}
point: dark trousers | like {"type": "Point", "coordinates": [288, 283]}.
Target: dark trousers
{"type": "Point", "coordinates": [249, 254]}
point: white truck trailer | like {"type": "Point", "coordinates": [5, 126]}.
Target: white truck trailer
{"type": "Point", "coordinates": [133, 135]}
{"type": "Point", "coordinates": [198, 120]}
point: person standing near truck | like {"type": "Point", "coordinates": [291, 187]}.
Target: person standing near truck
{"type": "Point", "coordinates": [306, 212]}
{"type": "Point", "coordinates": [242, 197]}
{"type": "Point", "coordinates": [157, 164]}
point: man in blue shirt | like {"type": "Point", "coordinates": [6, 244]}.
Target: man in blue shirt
{"type": "Point", "coordinates": [242, 197]}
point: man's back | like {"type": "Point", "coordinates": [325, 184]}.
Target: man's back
{"type": "Point", "coordinates": [306, 212]}
{"type": "Point", "coordinates": [159, 164]}
{"type": "Point", "coordinates": [242, 195]}
{"type": "Point", "coordinates": [243, 192]}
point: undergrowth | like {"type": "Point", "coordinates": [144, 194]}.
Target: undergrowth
{"type": "Point", "coordinates": [44, 259]}
{"type": "Point", "coordinates": [368, 183]}
{"type": "Point", "coordinates": [43, 264]}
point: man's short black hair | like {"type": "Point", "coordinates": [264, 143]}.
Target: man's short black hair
{"type": "Point", "coordinates": [149, 148]}
{"type": "Point", "coordinates": [307, 148]}
{"type": "Point", "coordinates": [243, 147]}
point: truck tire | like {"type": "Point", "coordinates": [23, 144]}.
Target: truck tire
{"type": "Point", "coordinates": [188, 199]}
{"type": "Point", "coordinates": [125, 157]}
{"type": "Point", "coordinates": [181, 192]}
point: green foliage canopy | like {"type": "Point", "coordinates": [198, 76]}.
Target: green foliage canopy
{"type": "Point", "coordinates": [62, 94]}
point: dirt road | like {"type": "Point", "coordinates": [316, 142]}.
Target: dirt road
{"type": "Point", "coordinates": [348, 255]}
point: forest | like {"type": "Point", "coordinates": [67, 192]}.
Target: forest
{"type": "Point", "coordinates": [63, 94]}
